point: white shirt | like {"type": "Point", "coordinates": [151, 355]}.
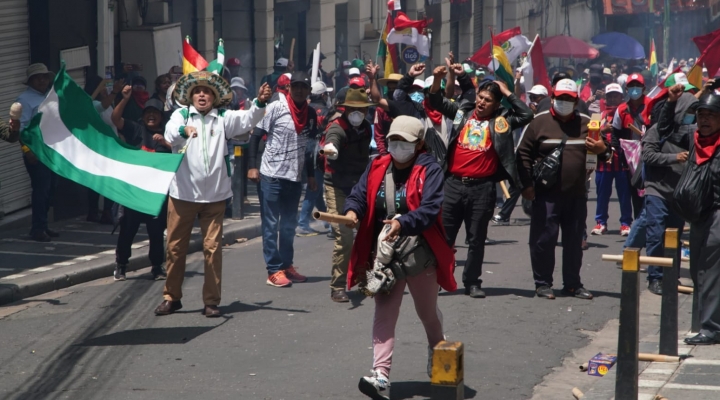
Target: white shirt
{"type": "Point", "coordinates": [284, 155]}
{"type": "Point", "coordinates": [204, 174]}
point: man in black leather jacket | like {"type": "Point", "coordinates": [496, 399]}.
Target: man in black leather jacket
{"type": "Point", "coordinates": [480, 153]}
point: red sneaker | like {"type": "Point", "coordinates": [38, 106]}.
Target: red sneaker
{"type": "Point", "coordinates": [295, 276]}
{"type": "Point", "coordinates": [624, 230]}
{"type": "Point", "coordinates": [278, 279]}
{"type": "Point", "coordinates": [599, 229]}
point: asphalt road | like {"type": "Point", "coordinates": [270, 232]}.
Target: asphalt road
{"type": "Point", "coordinates": [101, 340]}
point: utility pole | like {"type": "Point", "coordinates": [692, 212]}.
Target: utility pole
{"type": "Point", "coordinates": [666, 33]}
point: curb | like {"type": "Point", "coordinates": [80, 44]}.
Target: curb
{"type": "Point", "coordinates": [91, 271]}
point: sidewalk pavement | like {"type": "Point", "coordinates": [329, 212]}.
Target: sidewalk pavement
{"type": "Point", "coordinates": [694, 378]}
{"type": "Point", "coordinates": [85, 251]}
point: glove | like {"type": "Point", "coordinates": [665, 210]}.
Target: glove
{"type": "Point", "coordinates": [330, 151]}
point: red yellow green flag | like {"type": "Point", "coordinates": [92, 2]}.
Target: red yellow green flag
{"type": "Point", "coordinates": [192, 60]}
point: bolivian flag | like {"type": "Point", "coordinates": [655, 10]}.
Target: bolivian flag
{"type": "Point", "coordinates": [653, 59]}
{"type": "Point", "coordinates": [389, 51]}
{"type": "Point", "coordinates": [192, 60]}
{"type": "Point", "coordinates": [501, 65]}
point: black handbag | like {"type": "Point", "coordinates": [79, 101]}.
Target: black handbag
{"type": "Point", "coordinates": [412, 253]}
{"type": "Point", "coordinates": [693, 195]}
{"type": "Point", "coordinates": [546, 171]}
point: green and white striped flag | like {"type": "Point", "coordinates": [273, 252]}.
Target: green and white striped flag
{"type": "Point", "coordinates": [216, 66]}
{"type": "Point", "coordinates": [70, 138]}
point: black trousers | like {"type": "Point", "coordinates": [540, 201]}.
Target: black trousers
{"type": "Point", "coordinates": [705, 272]}
{"type": "Point", "coordinates": [509, 204]}
{"type": "Point", "coordinates": [93, 198]}
{"type": "Point", "coordinates": [472, 203]}
{"type": "Point", "coordinates": [129, 226]}
{"type": "Point", "coordinates": [637, 202]}
{"type": "Point", "coordinates": [550, 214]}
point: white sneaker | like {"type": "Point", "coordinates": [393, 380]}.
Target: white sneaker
{"type": "Point", "coordinates": [377, 386]}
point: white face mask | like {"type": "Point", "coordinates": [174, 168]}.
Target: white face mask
{"type": "Point", "coordinates": [563, 108]}
{"type": "Point", "coordinates": [356, 118]}
{"type": "Point", "coordinates": [401, 151]}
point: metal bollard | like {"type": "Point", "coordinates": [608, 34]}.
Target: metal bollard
{"type": "Point", "coordinates": [238, 177]}
{"type": "Point", "coordinates": [669, 310]}
{"type": "Point", "coordinates": [626, 382]}
{"type": "Point", "coordinates": [448, 373]}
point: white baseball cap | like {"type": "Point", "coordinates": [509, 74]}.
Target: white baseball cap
{"type": "Point", "coordinates": [419, 83]}
{"type": "Point", "coordinates": [238, 82]}
{"type": "Point", "coordinates": [566, 86]}
{"type": "Point", "coordinates": [613, 88]}
{"type": "Point", "coordinates": [281, 62]}
{"type": "Point", "coordinates": [354, 72]}
{"type": "Point", "coordinates": [539, 90]}
{"type": "Point", "coordinates": [319, 87]}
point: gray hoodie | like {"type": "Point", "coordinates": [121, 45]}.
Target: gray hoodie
{"type": "Point", "coordinates": [661, 144]}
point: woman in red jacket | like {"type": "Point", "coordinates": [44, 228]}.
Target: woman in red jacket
{"type": "Point", "coordinates": [418, 199]}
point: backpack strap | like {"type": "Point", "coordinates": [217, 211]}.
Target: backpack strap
{"type": "Point", "coordinates": [389, 192]}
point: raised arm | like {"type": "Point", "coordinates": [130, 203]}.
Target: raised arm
{"type": "Point", "coordinates": [375, 94]}
{"type": "Point", "coordinates": [450, 84]}
{"type": "Point", "coordinates": [241, 122]}
{"type": "Point", "coordinates": [117, 118]}
{"type": "Point", "coordinates": [437, 101]}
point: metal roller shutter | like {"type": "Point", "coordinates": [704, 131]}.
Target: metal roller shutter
{"type": "Point", "coordinates": [15, 52]}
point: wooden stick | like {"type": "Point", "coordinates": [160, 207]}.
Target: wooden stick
{"type": "Point", "coordinates": [326, 153]}
{"type": "Point", "coordinates": [584, 367]}
{"type": "Point", "coordinates": [292, 49]}
{"type": "Point", "coordinates": [644, 260]}
{"type": "Point", "coordinates": [660, 397]}
{"type": "Point", "coordinates": [686, 289]}
{"type": "Point", "coordinates": [336, 219]}
{"type": "Point", "coordinates": [577, 393]}
{"type": "Point", "coordinates": [504, 189]}
{"type": "Point", "coordinates": [657, 357]}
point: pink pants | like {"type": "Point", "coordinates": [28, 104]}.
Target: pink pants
{"type": "Point", "coordinates": [424, 291]}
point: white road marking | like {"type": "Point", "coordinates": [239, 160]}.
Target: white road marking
{"type": "Point", "coordinates": [646, 396]}
{"type": "Point", "coordinates": [658, 371]}
{"type": "Point", "coordinates": [9, 277]}
{"type": "Point", "coordinates": [64, 263]}
{"type": "Point", "coordinates": [87, 258]}
{"type": "Point", "coordinates": [25, 253]}
{"type": "Point", "coordinates": [698, 361]}
{"type": "Point", "coordinates": [644, 383]}
{"type": "Point", "coordinates": [64, 243]}
{"type": "Point", "coordinates": [95, 232]}
{"type": "Point", "coordinates": [691, 387]}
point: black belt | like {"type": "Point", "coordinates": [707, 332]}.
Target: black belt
{"type": "Point", "coordinates": [470, 181]}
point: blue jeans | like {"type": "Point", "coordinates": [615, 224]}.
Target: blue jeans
{"type": "Point", "coordinates": [658, 216]}
{"type": "Point", "coordinates": [603, 183]}
{"type": "Point", "coordinates": [42, 180]}
{"type": "Point", "coordinates": [637, 237]}
{"type": "Point", "coordinates": [313, 199]}
{"type": "Point", "coordinates": [279, 205]}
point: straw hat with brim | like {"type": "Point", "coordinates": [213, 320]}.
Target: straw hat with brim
{"type": "Point", "coordinates": [391, 78]}
{"type": "Point", "coordinates": [356, 98]}
{"type": "Point", "coordinates": [216, 83]}
{"type": "Point", "coordinates": [37, 69]}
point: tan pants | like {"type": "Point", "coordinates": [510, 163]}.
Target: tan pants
{"type": "Point", "coordinates": [181, 216]}
{"type": "Point", "coordinates": [335, 199]}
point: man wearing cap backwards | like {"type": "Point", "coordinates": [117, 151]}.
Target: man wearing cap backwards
{"type": "Point", "coordinates": [320, 102]}
{"type": "Point", "coordinates": [202, 183]}
{"type": "Point", "coordinates": [562, 206]}
{"type": "Point", "coordinates": [282, 66]}
{"type": "Point", "coordinates": [480, 153]}
{"type": "Point", "coordinates": [664, 154]}
{"type": "Point", "coordinates": [611, 170]}
{"type": "Point", "coordinates": [347, 154]}
{"type": "Point", "coordinates": [631, 113]}
{"type": "Point", "coordinates": [42, 179]}
{"type": "Point", "coordinates": [288, 123]}
{"type": "Point", "coordinates": [147, 135]}
{"type": "Point", "coordinates": [704, 234]}
{"type": "Point", "coordinates": [382, 119]}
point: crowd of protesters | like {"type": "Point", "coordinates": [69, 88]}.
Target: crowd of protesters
{"type": "Point", "coordinates": [407, 159]}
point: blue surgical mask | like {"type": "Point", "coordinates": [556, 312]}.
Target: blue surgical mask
{"type": "Point", "coordinates": [688, 119]}
{"type": "Point", "coordinates": [417, 97]}
{"type": "Point", "coordinates": [635, 92]}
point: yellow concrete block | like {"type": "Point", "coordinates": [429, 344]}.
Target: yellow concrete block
{"type": "Point", "coordinates": [447, 364]}
{"type": "Point", "coordinates": [238, 151]}
{"type": "Point", "coordinates": [631, 260]}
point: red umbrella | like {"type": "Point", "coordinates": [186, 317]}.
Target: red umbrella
{"type": "Point", "coordinates": [567, 47]}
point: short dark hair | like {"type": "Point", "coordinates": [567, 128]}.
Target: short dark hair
{"type": "Point", "coordinates": [491, 87]}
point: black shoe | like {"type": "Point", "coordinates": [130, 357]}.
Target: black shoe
{"type": "Point", "coordinates": [701, 340]}
{"type": "Point", "coordinates": [168, 307]}
{"type": "Point", "coordinates": [584, 245]}
{"type": "Point", "coordinates": [158, 273]}
{"type": "Point", "coordinates": [119, 274]}
{"type": "Point", "coordinates": [40, 237]}
{"type": "Point", "coordinates": [580, 293]}
{"type": "Point", "coordinates": [546, 292]}
{"type": "Point", "coordinates": [52, 233]}
{"type": "Point", "coordinates": [498, 220]}
{"type": "Point", "coordinates": [211, 311]}
{"type": "Point", "coordinates": [489, 242]}
{"type": "Point", "coordinates": [339, 296]}
{"type": "Point", "coordinates": [655, 287]}
{"type": "Point", "coordinates": [475, 292]}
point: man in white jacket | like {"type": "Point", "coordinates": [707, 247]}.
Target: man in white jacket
{"type": "Point", "coordinates": [201, 130]}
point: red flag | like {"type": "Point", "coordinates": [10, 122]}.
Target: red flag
{"type": "Point", "coordinates": [537, 60]}
{"type": "Point", "coordinates": [702, 42]}
{"type": "Point", "coordinates": [484, 55]}
{"type": "Point", "coordinates": [660, 96]}
{"type": "Point", "coordinates": [402, 21]}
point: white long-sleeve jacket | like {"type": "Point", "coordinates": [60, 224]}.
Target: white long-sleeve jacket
{"type": "Point", "coordinates": [204, 174]}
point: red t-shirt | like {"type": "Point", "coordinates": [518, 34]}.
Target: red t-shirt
{"type": "Point", "coordinates": [474, 156]}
